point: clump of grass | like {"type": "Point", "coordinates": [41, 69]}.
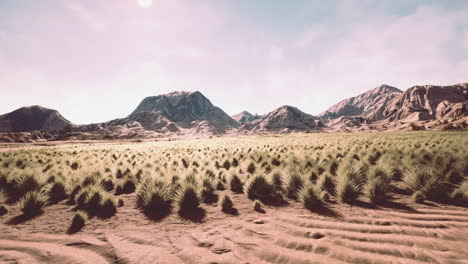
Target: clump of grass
{"type": "Point", "coordinates": [259, 188]}
{"type": "Point", "coordinates": [348, 183]}
{"type": "Point", "coordinates": [58, 191]}
{"type": "Point", "coordinates": [219, 185]}
{"type": "Point", "coordinates": [377, 186]}
{"type": "Point", "coordinates": [428, 182]}
{"type": "Point", "coordinates": [154, 198]}
{"type": "Point", "coordinates": [277, 182]}
{"type": "Point", "coordinates": [251, 168]}
{"type": "Point", "coordinates": [326, 183]}
{"type": "Point", "coordinates": [108, 184]}
{"type": "Point", "coordinates": [258, 206]}
{"type": "Point", "coordinates": [129, 185]}
{"type": "Point", "coordinates": [294, 184]}
{"type": "Point", "coordinates": [226, 204]}
{"type": "Point", "coordinates": [188, 199]}
{"type": "Point", "coordinates": [227, 164]}
{"type": "Point", "coordinates": [310, 196]}
{"type": "Point", "coordinates": [460, 194]}
{"type": "Point", "coordinates": [207, 192]}
{"type": "Point", "coordinates": [32, 203]}
{"type": "Point", "coordinates": [3, 210]}
{"type": "Point", "coordinates": [107, 207]}
{"type": "Point", "coordinates": [235, 183]}
{"type": "Point", "coordinates": [78, 222]}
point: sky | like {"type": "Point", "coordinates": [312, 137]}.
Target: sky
{"type": "Point", "coordinates": [95, 60]}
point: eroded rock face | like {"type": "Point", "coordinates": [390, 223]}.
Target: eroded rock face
{"type": "Point", "coordinates": [32, 118]}
{"type": "Point", "coordinates": [367, 105]}
{"type": "Point", "coordinates": [183, 108]}
{"type": "Point", "coordinates": [244, 117]}
{"type": "Point", "coordinates": [428, 103]}
{"type": "Point", "coordinates": [285, 119]}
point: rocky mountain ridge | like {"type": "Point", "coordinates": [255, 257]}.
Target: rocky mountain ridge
{"type": "Point", "coordinates": [191, 114]}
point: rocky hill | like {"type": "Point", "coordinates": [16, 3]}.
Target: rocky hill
{"type": "Point", "coordinates": [32, 118]}
{"type": "Point", "coordinates": [366, 105]}
{"type": "Point", "coordinates": [185, 110]}
{"type": "Point", "coordinates": [428, 102]}
{"type": "Point", "coordinates": [244, 117]}
{"type": "Point", "coordinates": [284, 119]}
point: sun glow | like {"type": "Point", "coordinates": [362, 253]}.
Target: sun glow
{"type": "Point", "coordinates": [145, 3]}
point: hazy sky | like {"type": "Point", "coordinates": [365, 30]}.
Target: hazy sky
{"type": "Point", "coordinates": [95, 60]}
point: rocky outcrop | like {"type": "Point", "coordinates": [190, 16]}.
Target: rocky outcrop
{"type": "Point", "coordinates": [429, 102]}
{"type": "Point", "coordinates": [244, 117]}
{"type": "Point", "coordinates": [367, 105]}
{"type": "Point", "coordinates": [284, 119]}
{"type": "Point", "coordinates": [32, 118]}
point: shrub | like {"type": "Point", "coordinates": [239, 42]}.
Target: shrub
{"type": "Point", "coordinates": [32, 203]}
{"type": "Point", "coordinates": [58, 191]}
{"type": "Point", "coordinates": [257, 205]}
{"type": "Point", "coordinates": [310, 196]}
{"type": "Point", "coordinates": [154, 198]}
{"type": "Point", "coordinates": [78, 222]}
{"type": "Point", "coordinates": [235, 183]}
{"type": "Point", "coordinates": [294, 184]}
{"type": "Point", "coordinates": [377, 186]}
{"type": "Point", "coordinates": [188, 199]}
{"type": "Point", "coordinates": [226, 204]}
{"type": "Point", "coordinates": [259, 188]}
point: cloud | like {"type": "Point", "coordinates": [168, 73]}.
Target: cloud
{"type": "Point", "coordinates": [111, 55]}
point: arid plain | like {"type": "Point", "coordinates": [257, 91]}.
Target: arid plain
{"type": "Point", "coordinates": [393, 197]}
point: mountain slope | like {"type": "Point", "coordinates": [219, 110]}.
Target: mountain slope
{"type": "Point", "coordinates": [364, 105]}
{"type": "Point", "coordinates": [32, 118]}
{"type": "Point", "coordinates": [284, 119]}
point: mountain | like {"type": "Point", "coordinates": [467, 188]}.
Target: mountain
{"type": "Point", "coordinates": [284, 119]}
{"type": "Point", "coordinates": [186, 110]}
{"type": "Point", "coordinates": [429, 102]}
{"type": "Point", "coordinates": [32, 118]}
{"type": "Point", "coordinates": [244, 117]}
{"type": "Point", "coordinates": [366, 105]}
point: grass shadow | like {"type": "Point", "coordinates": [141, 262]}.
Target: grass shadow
{"type": "Point", "coordinates": [158, 215]}
{"type": "Point", "coordinates": [231, 211]}
{"type": "Point", "coordinates": [196, 215]}
{"type": "Point", "coordinates": [325, 211]}
{"type": "Point", "coordinates": [211, 199]}
{"type": "Point", "coordinates": [22, 218]}
{"type": "Point", "coordinates": [398, 206]}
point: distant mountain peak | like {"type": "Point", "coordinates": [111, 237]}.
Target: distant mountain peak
{"type": "Point", "coordinates": [363, 104]}
{"type": "Point", "coordinates": [32, 118]}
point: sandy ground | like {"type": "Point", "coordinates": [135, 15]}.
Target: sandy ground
{"type": "Point", "coordinates": [397, 232]}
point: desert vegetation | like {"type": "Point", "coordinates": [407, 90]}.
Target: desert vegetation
{"type": "Point", "coordinates": [181, 176]}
